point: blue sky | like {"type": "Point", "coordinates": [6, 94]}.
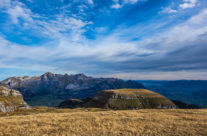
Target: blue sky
{"type": "Point", "coordinates": [129, 39]}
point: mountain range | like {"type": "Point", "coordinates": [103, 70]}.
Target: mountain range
{"type": "Point", "coordinates": [51, 89]}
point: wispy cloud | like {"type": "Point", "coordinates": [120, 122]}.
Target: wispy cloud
{"type": "Point", "coordinates": [90, 2]}
{"type": "Point", "coordinates": [168, 10]}
{"type": "Point", "coordinates": [116, 6]}
{"type": "Point", "coordinates": [58, 26]}
{"type": "Point", "coordinates": [69, 26]}
{"type": "Point", "coordinates": [174, 8]}
{"type": "Point", "coordinates": [18, 11]}
{"type": "Point", "coordinates": [120, 3]}
{"type": "Point", "coordinates": [188, 4]}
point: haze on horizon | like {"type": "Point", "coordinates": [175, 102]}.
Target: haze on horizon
{"type": "Point", "coordinates": [128, 39]}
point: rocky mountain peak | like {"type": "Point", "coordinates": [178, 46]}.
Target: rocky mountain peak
{"type": "Point", "coordinates": [81, 76]}
{"type": "Point", "coordinates": [48, 74]}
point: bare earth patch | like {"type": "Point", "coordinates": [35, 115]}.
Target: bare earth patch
{"type": "Point", "coordinates": [108, 123]}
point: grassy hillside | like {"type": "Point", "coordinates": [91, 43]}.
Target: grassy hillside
{"type": "Point", "coordinates": [130, 99]}
{"type": "Point", "coordinates": [146, 122]}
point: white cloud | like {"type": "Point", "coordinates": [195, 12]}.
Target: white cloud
{"type": "Point", "coordinates": [168, 10]}
{"type": "Point", "coordinates": [188, 4]}
{"type": "Point", "coordinates": [192, 28]}
{"type": "Point", "coordinates": [130, 1]}
{"type": "Point", "coordinates": [200, 18]}
{"type": "Point", "coordinates": [19, 12]}
{"type": "Point", "coordinates": [102, 29]}
{"type": "Point", "coordinates": [90, 2]}
{"type": "Point", "coordinates": [120, 3]}
{"type": "Point", "coordinates": [116, 6]}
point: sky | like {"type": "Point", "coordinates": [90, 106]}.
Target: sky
{"type": "Point", "coordinates": [128, 39]}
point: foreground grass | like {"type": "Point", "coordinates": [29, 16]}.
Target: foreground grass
{"type": "Point", "coordinates": [89, 122]}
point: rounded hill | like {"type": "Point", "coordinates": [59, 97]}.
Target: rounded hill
{"type": "Point", "coordinates": [130, 99]}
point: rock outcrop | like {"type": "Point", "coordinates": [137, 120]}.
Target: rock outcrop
{"type": "Point", "coordinates": [183, 105]}
{"type": "Point", "coordinates": [130, 99]}
{"type": "Point", "coordinates": [11, 100]}
{"type": "Point", "coordinates": [51, 89]}
{"type": "Point", "coordinates": [73, 103]}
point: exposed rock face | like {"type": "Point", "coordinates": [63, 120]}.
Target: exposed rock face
{"type": "Point", "coordinates": [130, 99]}
{"type": "Point", "coordinates": [11, 100]}
{"type": "Point", "coordinates": [51, 89]}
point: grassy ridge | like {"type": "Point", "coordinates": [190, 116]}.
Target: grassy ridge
{"type": "Point", "coordinates": [144, 122]}
{"type": "Point", "coordinates": [130, 99]}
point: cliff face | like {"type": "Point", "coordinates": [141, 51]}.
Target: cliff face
{"type": "Point", "coordinates": [130, 99]}
{"type": "Point", "coordinates": [50, 89]}
{"type": "Point", "coordinates": [11, 100]}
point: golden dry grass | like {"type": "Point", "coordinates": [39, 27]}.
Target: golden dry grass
{"type": "Point", "coordinates": [89, 122]}
{"type": "Point", "coordinates": [140, 92]}
{"type": "Point", "coordinates": [133, 91]}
